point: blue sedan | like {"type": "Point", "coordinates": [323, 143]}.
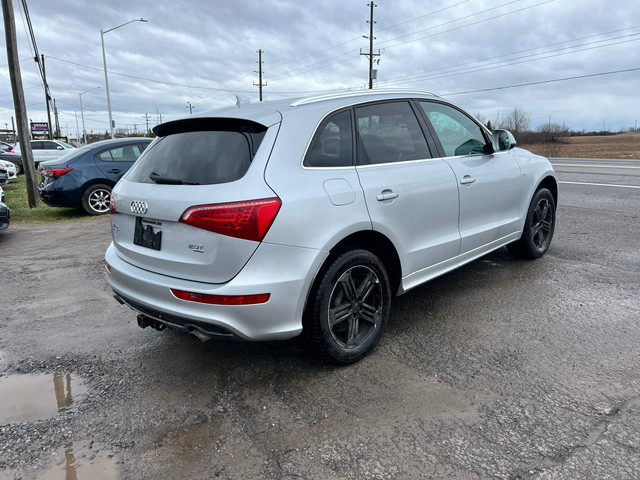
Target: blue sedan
{"type": "Point", "coordinates": [84, 177]}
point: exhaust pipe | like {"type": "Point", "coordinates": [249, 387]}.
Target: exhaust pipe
{"type": "Point", "coordinates": [200, 335]}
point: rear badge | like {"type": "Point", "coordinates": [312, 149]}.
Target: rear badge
{"type": "Point", "coordinates": [196, 248]}
{"type": "Point", "coordinates": [138, 207]}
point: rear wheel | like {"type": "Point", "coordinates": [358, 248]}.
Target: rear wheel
{"type": "Point", "coordinates": [349, 307]}
{"type": "Point", "coordinates": [95, 199]}
{"type": "Point", "coordinates": [538, 227]}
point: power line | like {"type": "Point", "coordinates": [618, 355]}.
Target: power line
{"type": "Point", "coordinates": [466, 64]}
{"type": "Point", "coordinates": [453, 21]}
{"type": "Point", "coordinates": [500, 64]}
{"type": "Point", "coordinates": [327, 62]}
{"type": "Point", "coordinates": [422, 16]}
{"type": "Point", "coordinates": [541, 82]}
{"type": "Point", "coordinates": [172, 83]}
{"type": "Point", "coordinates": [314, 54]}
{"type": "Point", "coordinates": [467, 25]}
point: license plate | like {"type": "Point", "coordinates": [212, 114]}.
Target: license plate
{"type": "Point", "coordinates": [147, 234]}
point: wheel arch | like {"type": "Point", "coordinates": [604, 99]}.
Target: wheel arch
{"type": "Point", "coordinates": [370, 240]}
{"type": "Point", "coordinates": [551, 184]}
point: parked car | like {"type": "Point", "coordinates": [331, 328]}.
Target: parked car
{"type": "Point", "coordinates": [5, 147]}
{"type": "Point", "coordinates": [4, 175]}
{"type": "Point", "coordinates": [14, 158]}
{"type": "Point", "coordinates": [46, 150]}
{"type": "Point", "coordinates": [308, 216]}
{"type": "Point", "coordinates": [11, 169]}
{"type": "Point", "coordinates": [85, 176]}
{"type": "Point", "coordinates": [5, 216]}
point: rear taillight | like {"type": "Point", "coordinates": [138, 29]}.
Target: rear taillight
{"type": "Point", "coordinates": [112, 205]}
{"type": "Point", "coordinates": [249, 220]}
{"type": "Point", "coordinates": [221, 299]}
{"type": "Point", "coordinates": [55, 172]}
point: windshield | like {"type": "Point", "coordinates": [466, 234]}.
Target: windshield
{"type": "Point", "coordinates": [73, 153]}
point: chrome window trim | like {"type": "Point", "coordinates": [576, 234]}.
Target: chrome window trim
{"type": "Point", "coordinates": [404, 162]}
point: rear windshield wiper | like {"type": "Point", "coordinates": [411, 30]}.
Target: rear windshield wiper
{"type": "Point", "coordinates": [168, 180]}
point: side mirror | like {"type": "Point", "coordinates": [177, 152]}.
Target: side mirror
{"type": "Point", "coordinates": [502, 140]}
{"type": "Point", "coordinates": [59, 148]}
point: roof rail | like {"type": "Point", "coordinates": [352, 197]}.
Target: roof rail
{"type": "Point", "coordinates": [357, 93]}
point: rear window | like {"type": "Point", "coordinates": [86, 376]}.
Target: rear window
{"type": "Point", "coordinates": [202, 157]}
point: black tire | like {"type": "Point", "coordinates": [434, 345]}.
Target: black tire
{"type": "Point", "coordinates": [538, 227]}
{"type": "Point", "coordinates": [356, 287]}
{"type": "Point", "coordinates": [95, 199]}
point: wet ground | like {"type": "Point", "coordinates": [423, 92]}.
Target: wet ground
{"type": "Point", "coordinates": [502, 369]}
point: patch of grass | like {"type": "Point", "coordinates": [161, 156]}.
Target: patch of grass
{"type": "Point", "coordinates": [16, 198]}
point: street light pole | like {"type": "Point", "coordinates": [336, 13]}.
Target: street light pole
{"type": "Point", "coordinates": [104, 61]}
{"type": "Point", "coordinates": [84, 132]}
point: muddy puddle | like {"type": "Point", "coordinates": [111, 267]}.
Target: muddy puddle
{"type": "Point", "coordinates": [81, 462]}
{"type": "Point", "coordinates": [27, 398]}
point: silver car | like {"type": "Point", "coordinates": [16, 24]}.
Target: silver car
{"type": "Point", "coordinates": [307, 216]}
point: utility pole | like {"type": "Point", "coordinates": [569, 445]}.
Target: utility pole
{"type": "Point", "coordinates": [55, 115]}
{"type": "Point", "coordinates": [146, 117]}
{"type": "Point", "coordinates": [190, 107]}
{"type": "Point", "coordinates": [259, 72]}
{"type": "Point", "coordinates": [371, 38]}
{"type": "Point", "coordinates": [47, 96]}
{"type": "Point", "coordinates": [77, 129]}
{"type": "Point", "coordinates": [18, 102]}
{"type": "Point", "coordinates": [39, 59]}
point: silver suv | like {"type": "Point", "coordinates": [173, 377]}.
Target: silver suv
{"type": "Point", "coordinates": [308, 216]}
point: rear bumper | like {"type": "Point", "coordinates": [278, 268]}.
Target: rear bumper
{"type": "Point", "coordinates": [285, 272]}
{"type": "Point", "coordinates": [60, 198]}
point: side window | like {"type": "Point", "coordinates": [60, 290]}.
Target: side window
{"type": "Point", "coordinates": [389, 132]}
{"type": "Point", "coordinates": [126, 153]}
{"type": "Point", "coordinates": [50, 145]}
{"type": "Point", "coordinates": [458, 134]}
{"type": "Point", "coordinates": [332, 145]}
{"type": "Point", "coordinates": [37, 145]}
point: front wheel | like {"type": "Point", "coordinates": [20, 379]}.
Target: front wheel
{"type": "Point", "coordinates": [95, 199]}
{"type": "Point", "coordinates": [348, 308]}
{"type": "Point", "coordinates": [538, 227]}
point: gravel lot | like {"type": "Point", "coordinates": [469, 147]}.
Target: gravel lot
{"type": "Point", "coordinates": [502, 369]}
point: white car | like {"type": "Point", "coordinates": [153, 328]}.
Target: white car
{"type": "Point", "coordinates": [46, 150]}
{"type": "Point", "coordinates": [11, 169]}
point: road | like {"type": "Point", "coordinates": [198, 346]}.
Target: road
{"type": "Point", "coordinates": [599, 183]}
{"type": "Point", "coordinates": [501, 369]}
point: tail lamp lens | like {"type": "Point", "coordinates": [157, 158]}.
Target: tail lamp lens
{"type": "Point", "coordinates": [112, 204]}
{"type": "Point", "coordinates": [248, 220]}
{"type": "Point", "coordinates": [221, 299]}
{"type": "Point", "coordinates": [56, 172]}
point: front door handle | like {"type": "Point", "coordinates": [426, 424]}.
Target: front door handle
{"type": "Point", "coordinates": [467, 180]}
{"type": "Point", "coordinates": [387, 195]}
{"type": "Point", "coordinates": [114, 170]}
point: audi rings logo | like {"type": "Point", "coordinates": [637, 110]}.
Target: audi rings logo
{"type": "Point", "coordinates": [139, 208]}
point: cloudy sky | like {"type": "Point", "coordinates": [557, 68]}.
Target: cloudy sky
{"type": "Point", "coordinates": [554, 58]}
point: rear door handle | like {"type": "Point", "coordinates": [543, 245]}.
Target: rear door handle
{"type": "Point", "coordinates": [467, 180]}
{"type": "Point", "coordinates": [114, 170]}
{"type": "Point", "coordinates": [387, 195]}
